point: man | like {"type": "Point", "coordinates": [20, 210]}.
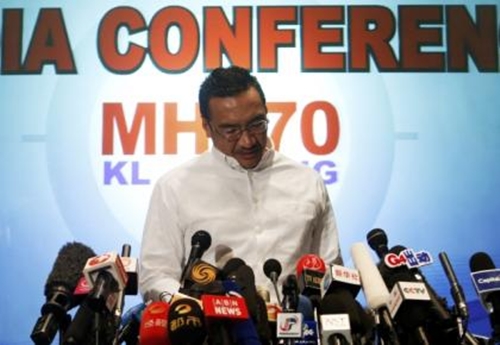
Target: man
{"type": "Point", "coordinates": [255, 203]}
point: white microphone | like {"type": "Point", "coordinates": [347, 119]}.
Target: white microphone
{"type": "Point", "coordinates": [375, 291]}
{"type": "Point", "coordinates": [105, 276]}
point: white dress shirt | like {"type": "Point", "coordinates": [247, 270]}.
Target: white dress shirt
{"type": "Point", "coordinates": [280, 209]}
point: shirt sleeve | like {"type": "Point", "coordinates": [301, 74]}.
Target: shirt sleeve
{"type": "Point", "coordinates": [326, 232]}
{"type": "Point", "coordinates": [162, 248]}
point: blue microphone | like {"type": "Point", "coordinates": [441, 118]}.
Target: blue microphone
{"type": "Point", "coordinates": [243, 331]}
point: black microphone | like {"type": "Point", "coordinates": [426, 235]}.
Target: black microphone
{"type": "Point", "coordinates": [377, 240]}
{"type": "Point", "coordinates": [58, 291]}
{"type": "Point", "coordinates": [130, 325]}
{"type": "Point", "coordinates": [409, 305]}
{"type": "Point", "coordinates": [186, 322]}
{"type": "Point", "coordinates": [126, 249]}
{"type": "Point", "coordinates": [200, 242]}
{"type": "Point", "coordinates": [456, 290]}
{"type": "Point", "coordinates": [239, 272]}
{"type": "Point", "coordinates": [486, 279]}
{"type": "Point", "coordinates": [443, 321]}
{"type": "Point", "coordinates": [290, 291]}
{"type": "Point", "coordinates": [244, 332]}
{"type": "Point", "coordinates": [340, 319]}
{"type": "Point", "coordinates": [272, 270]}
{"type": "Point", "coordinates": [94, 320]}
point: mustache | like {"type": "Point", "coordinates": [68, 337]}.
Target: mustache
{"type": "Point", "coordinates": [254, 149]}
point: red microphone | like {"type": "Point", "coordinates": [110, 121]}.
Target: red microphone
{"type": "Point", "coordinates": [310, 271]}
{"type": "Point", "coordinates": [154, 324]}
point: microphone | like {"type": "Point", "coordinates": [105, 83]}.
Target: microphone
{"type": "Point", "coordinates": [290, 321]}
{"type": "Point", "coordinates": [375, 291]}
{"type": "Point", "coordinates": [340, 277]}
{"type": "Point", "coordinates": [409, 302]}
{"type": "Point", "coordinates": [243, 330]}
{"type": "Point", "coordinates": [200, 242]}
{"type": "Point", "coordinates": [272, 309]}
{"type": "Point", "coordinates": [486, 280]}
{"type": "Point", "coordinates": [153, 326]}
{"type": "Point", "coordinates": [456, 290]}
{"type": "Point", "coordinates": [290, 294]}
{"type": "Point", "coordinates": [409, 306]}
{"type": "Point", "coordinates": [272, 270]}
{"type": "Point", "coordinates": [130, 325]}
{"type": "Point", "coordinates": [377, 240]}
{"type": "Point", "coordinates": [337, 313]}
{"type": "Point", "coordinates": [443, 324]}
{"type": "Point", "coordinates": [200, 273]}
{"type": "Point", "coordinates": [310, 271]}
{"type": "Point", "coordinates": [58, 291]}
{"type": "Point", "coordinates": [106, 276]}
{"type": "Point", "coordinates": [237, 271]}
{"type": "Point", "coordinates": [126, 249]}
{"type": "Point", "coordinates": [186, 323]}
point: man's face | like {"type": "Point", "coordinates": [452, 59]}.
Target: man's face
{"type": "Point", "coordinates": [227, 116]}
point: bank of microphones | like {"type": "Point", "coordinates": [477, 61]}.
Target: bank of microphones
{"type": "Point", "coordinates": [223, 304]}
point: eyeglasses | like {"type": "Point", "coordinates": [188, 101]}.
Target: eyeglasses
{"type": "Point", "coordinates": [233, 133]}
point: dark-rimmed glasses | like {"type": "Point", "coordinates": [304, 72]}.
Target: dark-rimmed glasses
{"type": "Point", "coordinates": [234, 132]}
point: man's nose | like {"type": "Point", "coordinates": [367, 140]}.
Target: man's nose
{"type": "Point", "coordinates": [246, 139]}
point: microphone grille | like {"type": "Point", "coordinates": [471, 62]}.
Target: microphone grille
{"type": "Point", "coordinates": [201, 238]}
{"type": "Point", "coordinates": [270, 266]}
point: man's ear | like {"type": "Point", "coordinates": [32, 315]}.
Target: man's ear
{"type": "Point", "coordinates": [206, 127]}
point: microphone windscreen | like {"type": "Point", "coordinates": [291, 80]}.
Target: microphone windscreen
{"type": "Point", "coordinates": [377, 240]}
{"type": "Point", "coordinates": [231, 266]}
{"type": "Point", "coordinates": [374, 288]}
{"type": "Point", "coordinates": [481, 262]}
{"type": "Point", "coordinates": [342, 302]}
{"type": "Point", "coordinates": [186, 322]}
{"type": "Point", "coordinates": [153, 329]}
{"type": "Point", "coordinates": [68, 267]}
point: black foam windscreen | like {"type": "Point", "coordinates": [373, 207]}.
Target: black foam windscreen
{"type": "Point", "coordinates": [481, 262]}
{"type": "Point", "coordinates": [377, 240]}
{"type": "Point", "coordinates": [342, 302]}
{"type": "Point", "coordinates": [68, 267]}
{"type": "Point", "coordinates": [231, 266]}
{"type": "Point", "coordinates": [186, 322]}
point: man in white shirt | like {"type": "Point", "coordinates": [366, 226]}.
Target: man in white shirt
{"type": "Point", "coordinates": [254, 202]}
